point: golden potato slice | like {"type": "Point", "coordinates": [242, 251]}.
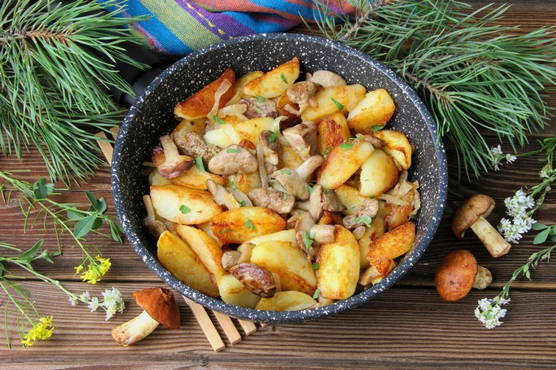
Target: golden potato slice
{"type": "Point", "coordinates": [391, 245]}
{"type": "Point", "coordinates": [197, 126]}
{"type": "Point", "coordinates": [289, 158]}
{"type": "Point", "coordinates": [194, 178]}
{"type": "Point", "coordinates": [183, 205]}
{"type": "Point", "coordinates": [375, 109]}
{"type": "Point", "coordinates": [287, 261]}
{"type": "Point", "coordinates": [206, 248]}
{"type": "Point", "coordinates": [155, 178]}
{"type": "Point", "coordinates": [251, 129]}
{"type": "Point", "coordinates": [245, 223]}
{"type": "Point", "coordinates": [332, 131]}
{"type": "Point", "coordinates": [232, 291]}
{"type": "Point", "coordinates": [378, 174]}
{"type": "Point", "coordinates": [199, 104]}
{"type": "Point", "coordinates": [274, 83]}
{"type": "Point", "coordinates": [280, 236]}
{"type": "Point", "coordinates": [244, 181]}
{"type": "Point", "coordinates": [240, 84]}
{"type": "Point", "coordinates": [342, 162]}
{"type": "Point", "coordinates": [224, 135]}
{"type": "Point", "coordinates": [178, 258]}
{"type": "Point", "coordinates": [377, 229]}
{"type": "Point", "coordinates": [339, 266]}
{"type": "Point", "coordinates": [350, 198]}
{"type": "Point", "coordinates": [398, 146]}
{"type": "Point", "coordinates": [290, 300]}
{"type": "Point", "coordinates": [330, 99]}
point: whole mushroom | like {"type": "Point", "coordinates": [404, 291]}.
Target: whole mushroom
{"type": "Point", "coordinates": [159, 307]}
{"type": "Point", "coordinates": [472, 214]}
{"type": "Point", "coordinates": [458, 273]}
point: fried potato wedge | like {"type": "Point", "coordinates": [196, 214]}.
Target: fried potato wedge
{"type": "Point", "coordinates": [274, 83]}
{"type": "Point", "coordinates": [240, 84]}
{"type": "Point", "coordinates": [178, 258]}
{"type": "Point", "coordinates": [183, 205]}
{"type": "Point", "coordinates": [391, 245]}
{"type": "Point", "coordinates": [232, 291]}
{"type": "Point", "coordinates": [206, 248]}
{"type": "Point", "coordinates": [194, 178]}
{"type": "Point", "coordinates": [224, 135]}
{"type": "Point", "coordinates": [289, 158]}
{"type": "Point", "coordinates": [155, 178]}
{"type": "Point", "coordinates": [207, 228]}
{"type": "Point", "coordinates": [251, 129]}
{"type": "Point", "coordinates": [377, 229]}
{"type": "Point", "coordinates": [342, 162]}
{"type": "Point", "coordinates": [378, 174]}
{"type": "Point", "coordinates": [330, 99]}
{"type": "Point", "coordinates": [242, 224]}
{"type": "Point", "coordinates": [339, 265]}
{"type": "Point", "coordinates": [398, 146]}
{"type": "Point", "coordinates": [289, 300]}
{"type": "Point", "coordinates": [332, 131]}
{"type": "Point", "coordinates": [287, 261]}
{"type": "Point", "coordinates": [244, 181]}
{"type": "Point", "coordinates": [375, 109]}
{"type": "Point", "coordinates": [199, 104]}
{"type": "Point", "coordinates": [197, 126]}
{"type": "Point", "coordinates": [280, 236]}
{"type": "Point", "coordinates": [350, 198]}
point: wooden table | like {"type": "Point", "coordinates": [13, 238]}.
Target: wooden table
{"type": "Point", "coordinates": [406, 326]}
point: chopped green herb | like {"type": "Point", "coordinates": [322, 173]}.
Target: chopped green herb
{"type": "Point", "coordinates": [232, 183]}
{"type": "Point", "coordinates": [249, 224]}
{"type": "Point", "coordinates": [316, 294]}
{"type": "Point", "coordinates": [286, 171]}
{"type": "Point", "coordinates": [273, 136]}
{"type": "Point", "coordinates": [365, 219]}
{"type": "Point", "coordinates": [184, 209]}
{"type": "Point", "coordinates": [285, 196]}
{"type": "Point", "coordinates": [224, 231]}
{"type": "Point", "coordinates": [310, 188]}
{"type": "Point", "coordinates": [217, 119]}
{"type": "Point", "coordinates": [261, 99]}
{"type": "Point", "coordinates": [339, 105]}
{"type": "Point", "coordinates": [283, 78]}
{"type": "Point", "coordinates": [377, 128]}
{"type": "Point", "coordinates": [199, 163]}
{"type": "Point", "coordinates": [316, 266]}
{"type": "Point", "coordinates": [259, 110]}
{"type": "Point", "coordinates": [232, 150]}
{"type": "Point", "coordinates": [307, 240]}
{"type": "Point", "coordinates": [346, 146]}
{"type": "Point", "coordinates": [242, 203]}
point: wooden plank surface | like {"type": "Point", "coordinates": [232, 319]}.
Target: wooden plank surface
{"type": "Point", "coordinates": [407, 326]}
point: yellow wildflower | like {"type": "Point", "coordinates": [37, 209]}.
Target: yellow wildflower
{"type": "Point", "coordinates": [95, 270]}
{"type": "Point", "coordinates": [41, 330]}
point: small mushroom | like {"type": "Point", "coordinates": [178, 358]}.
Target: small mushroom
{"type": "Point", "coordinates": [154, 226]}
{"type": "Point", "coordinates": [222, 196]}
{"type": "Point", "coordinates": [230, 259]}
{"type": "Point", "coordinates": [375, 141]}
{"type": "Point", "coordinates": [291, 182]}
{"type": "Point", "coordinates": [326, 79]}
{"type": "Point", "coordinates": [270, 198]}
{"type": "Point", "coordinates": [458, 273]}
{"type": "Point", "coordinates": [159, 307]}
{"type": "Point", "coordinates": [306, 169]}
{"type": "Point", "coordinates": [192, 144]}
{"type": "Point", "coordinates": [323, 234]}
{"type": "Point", "coordinates": [256, 279]}
{"type": "Point", "coordinates": [231, 160]}
{"type": "Point", "coordinates": [303, 224]}
{"type": "Point", "coordinates": [315, 202]}
{"type": "Point", "coordinates": [270, 149]}
{"type": "Point", "coordinates": [174, 163]}
{"type": "Point", "coordinates": [364, 214]}
{"type": "Point", "coordinates": [473, 213]}
{"type": "Point", "coordinates": [302, 93]}
{"type": "Point", "coordinates": [302, 138]}
{"type": "Point", "coordinates": [257, 107]}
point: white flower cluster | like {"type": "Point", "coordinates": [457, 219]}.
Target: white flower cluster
{"type": "Point", "coordinates": [112, 302]}
{"type": "Point", "coordinates": [517, 207]}
{"type": "Point", "coordinates": [490, 311]}
{"type": "Point", "coordinates": [498, 156]}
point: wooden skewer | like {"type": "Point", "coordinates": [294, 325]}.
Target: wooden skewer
{"type": "Point", "coordinates": [206, 325]}
{"type": "Point", "coordinates": [105, 147]}
{"type": "Point", "coordinates": [247, 326]}
{"type": "Point", "coordinates": [227, 325]}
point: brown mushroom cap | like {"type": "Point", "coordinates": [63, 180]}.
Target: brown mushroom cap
{"type": "Point", "coordinates": [473, 208]}
{"type": "Point", "coordinates": [455, 277]}
{"type": "Point", "coordinates": [160, 305]}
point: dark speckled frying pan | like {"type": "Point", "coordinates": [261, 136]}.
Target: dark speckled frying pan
{"type": "Point", "coordinates": [151, 116]}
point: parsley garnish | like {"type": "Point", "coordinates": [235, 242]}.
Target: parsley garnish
{"type": "Point", "coordinates": [286, 171]}
{"type": "Point", "coordinates": [310, 188]}
{"type": "Point", "coordinates": [249, 224]}
{"type": "Point", "coordinates": [307, 240]}
{"type": "Point", "coordinates": [346, 146]}
{"type": "Point", "coordinates": [377, 128]}
{"type": "Point", "coordinates": [365, 219]}
{"type": "Point", "coordinates": [242, 203]}
{"type": "Point", "coordinates": [339, 105]}
{"type": "Point", "coordinates": [272, 137]}
{"type": "Point", "coordinates": [283, 78]}
{"type": "Point", "coordinates": [316, 294]}
{"type": "Point", "coordinates": [232, 150]}
{"type": "Point", "coordinates": [199, 163]}
{"type": "Point", "coordinates": [260, 99]}
{"type": "Point", "coordinates": [225, 231]}
{"type": "Point", "coordinates": [218, 120]}
{"type": "Point", "coordinates": [316, 266]}
{"type": "Point", "coordinates": [184, 209]}
{"type": "Point", "coordinates": [285, 196]}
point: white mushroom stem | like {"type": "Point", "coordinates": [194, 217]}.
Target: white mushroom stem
{"type": "Point", "coordinates": [306, 169]}
{"type": "Point", "coordinates": [222, 196]}
{"type": "Point", "coordinates": [493, 241]}
{"type": "Point", "coordinates": [155, 226]}
{"type": "Point", "coordinates": [262, 170]}
{"type": "Point", "coordinates": [135, 329]}
{"type": "Point", "coordinates": [323, 234]}
{"type": "Point", "coordinates": [170, 149]}
{"type": "Point", "coordinates": [483, 278]}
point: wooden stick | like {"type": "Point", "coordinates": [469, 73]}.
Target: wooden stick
{"type": "Point", "coordinates": [206, 325]}
{"type": "Point", "coordinates": [247, 326]}
{"type": "Point", "coordinates": [228, 326]}
{"type": "Point", "coordinates": [105, 147]}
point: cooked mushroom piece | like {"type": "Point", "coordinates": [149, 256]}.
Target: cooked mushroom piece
{"type": "Point", "coordinates": [330, 201]}
{"type": "Point", "coordinates": [302, 138]}
{"type": "Point", "coordinates": [230, 259]}
{"type": "Point", "coordinates": [326, 78]}
{"type": "Point", "coordinates": [159, 307]}
{"type": "Point", "coordinates": [473, 213]}
{"type": "Point", "coordinates": [154, 226]}
{"type": "Point", "coordinates": [302, 93]}
{"type": "Point", "coordinates": [270, 149]}
{"type": "Point", "coordinates": [174, 163]}
{"type": "Point", "coordinates": [315, 202]}
{"type": "Point", "coordinates": [306, 169]}
{"type": "Point", "coordinates": [270, 198]}
{"type": "Point", "coordinates": [259, 107]}
{"type": "Point", "coordinates": [363, 216]}
{"type": "Point", "coordinates": [458, 273]}
{"type": "Point", "coordinates": [323, 234]}
{"type": "Point", "coordinates": [192, 144]}
{"type": "Point", "coordinates": [375, 141]}
{"type": "Point", "coordinates": [303, 224]}
{"type": "Point", "coordinates": [222, 196]}
{"type": "Point", "coordinates": [231, 160]}
{"type": "Point", "coordinates": [291, 182]}
{"type": "Point", "coordinates": [256, 279]}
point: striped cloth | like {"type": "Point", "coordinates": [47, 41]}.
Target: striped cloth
{"type": "Point", "coordinates": [180, 26]}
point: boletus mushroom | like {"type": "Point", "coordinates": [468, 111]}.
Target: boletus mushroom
{"type": "Point", "coordinates": [159, 307]}
{"type": "Point", "coordinates": [174, 163]}
{"type": "Point", "coordinates": [458, 273]}
{"type": "Point", "coordinates": [472, 214]}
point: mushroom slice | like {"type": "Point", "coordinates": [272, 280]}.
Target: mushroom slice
{"type": "Point", "coordinates": [302, 138]}
{"type": "Point", "coordinates": [192, 144]}
{"type": "Point", "coordinates": [323, 234]}
{"type": "Point", "coordinates": [306, 169]}
{"type": "Point", "coordinates": [363, 215]}
{"type": "Point", "coordinates": [271, 149]}
{"type": "Point", "coordinates": [256, 279]}
{"type": "Point", "coordinates": [174, 163]}
{"type": "Point", "coordinates": [222, 196]}
{"type": "Point", "coordinates": [315, 202]}
{"type": "Point", "coordinates": [154, 226]}
{"type": "Point", "coordinates": [230, 259]}
{"type": "Point", "coordinates": [326, 78]}
{"type": "Point", "coordinates": [231, 160]}
{"type": "Point", "coordinates": [243, 199]}
{"type": "Point", "coordinates": [331, 202]}
{"type": "Point", "coordinates": [292, 183]}
{"type": "Point", "coordinates": [303, 224]}
{"type": "Point", "coordinates": [302, 93]}
{"type": "Point", "coordinates": [259, 107]}
{"type": "Point", "coordinates": [270, 198]}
